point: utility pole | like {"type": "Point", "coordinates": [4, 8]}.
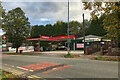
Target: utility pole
{"type": "Point", "coordinates": [84, 32]}
{"type": "Point", "coordinates": [68, 31]}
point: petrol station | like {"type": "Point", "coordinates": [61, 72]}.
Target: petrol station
{"type": "Point", "coordinates": [51, 39]}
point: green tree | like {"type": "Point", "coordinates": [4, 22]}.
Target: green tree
{"type": "Point", "coordinates": [2, 12]}
{"type": "Point", "coordinates": [16, 26]}
{"type": "Point", "coordinates": [37, 30]}
{"type": "Point", "coordinates": [86, 26]}
{"type": "Point", "coordinates": [96, 27]}
{"type": "Point", "coordinates": [60, 28]}
{"type": "Point", "coordinates": [75, 27]}
{"type": "Point", "coordinates": [49, 30]}
{"type": "Point", "coordinates": [112, 20]}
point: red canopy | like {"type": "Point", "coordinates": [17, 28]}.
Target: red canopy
{"type": "Point", "coordinates": [48, 38]}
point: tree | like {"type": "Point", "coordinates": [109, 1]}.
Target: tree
{"type": "Point", "coordinates": [16, 26]}
{"type": "Point", "coordinates": [60, 28]}
{"type": "Point", "coordinates": [2, 12]}
{"type": "Point", "coordinates": [96, 27]}
{"type": "Point", "coordinates": [37, 30]}
{"type": "Point", "coordinates": [112, 20]}
{"type": "Point", "coordinates": [49, 30]}
{"type": "Point", "coordinates": [86, 26]}
{"type": "Point", "coordinates": [75, 27]}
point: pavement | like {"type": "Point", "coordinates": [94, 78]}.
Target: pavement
{"type": "Point", "coordinates": [51, 65]}
{"type": "Point", "coordinates": [49, 52]}
{"type": "Point", "coordinates": [62, 52]}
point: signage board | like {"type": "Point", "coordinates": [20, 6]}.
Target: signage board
{"type": "Point", "coordinates": [3, 43]}
{"type": "Point", "coordinates": [92, 39]}
{"type": "Point", "coordinates": [80, 45]}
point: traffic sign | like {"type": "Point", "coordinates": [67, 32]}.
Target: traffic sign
{"type": "Point", "coordinates": [3, 43]}
{"type": "Point", "coordinates": [3, 37]}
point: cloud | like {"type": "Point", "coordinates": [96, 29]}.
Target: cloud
{"type": "Point", "coordinates": [44, 19]}
{"type": "Point", "coordinates": [1, 32]}
{"type": "Point", "coordinates": [48, 12]}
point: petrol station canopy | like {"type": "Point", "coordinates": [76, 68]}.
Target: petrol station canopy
{"type": "Point", "coordinates": [48, 38]}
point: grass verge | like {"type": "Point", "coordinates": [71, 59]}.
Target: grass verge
{"type": "Point", "coordinates": [21, 54]}
{"type": "Point", "coordinates": [7, 75]}
{"type": "Point", "coordinates": [106, 58]}
{"type": "Point", "coordinates": [71, 55]}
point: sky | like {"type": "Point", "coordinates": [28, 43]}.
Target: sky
{"type": "Point", "coordinates": [42, 13]}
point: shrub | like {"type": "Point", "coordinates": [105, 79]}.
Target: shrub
{"type": "Point", "coordinates": [71, 55]}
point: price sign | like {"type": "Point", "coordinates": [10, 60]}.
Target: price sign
{"type": "Point", "coordinates": [80, 45]}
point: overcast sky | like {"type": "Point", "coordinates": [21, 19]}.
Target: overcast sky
{"type": "Point", "coordinates": [42, 13]}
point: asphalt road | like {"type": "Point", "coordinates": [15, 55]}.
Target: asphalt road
{"type": "Point", "coordinates": [80, 68]}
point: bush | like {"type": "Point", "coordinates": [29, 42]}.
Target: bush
{"type": "Point", "coordinates": [71, 55]}
{"type": "Point", "coordinates": [107, 58]}
{"type": "Point", "coordinates": [20, 54]}
{"type": "Point", "coordinates": [7, 75]}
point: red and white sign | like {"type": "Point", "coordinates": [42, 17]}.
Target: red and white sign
{"type": "Point", "coordinates": [58, 43]}
{"type": "Point", "coordinates": [80, 45]}
{"type": "Point", "coordinates": [4, 37]}
{"type": "Point", "coordinates": [3, 48]}
{"type": "Point", "coordinates": [45, 37]}
{"type": "Point", "coordinates": [49, 43]}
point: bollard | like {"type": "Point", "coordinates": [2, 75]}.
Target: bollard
{"type": "Point", "coordinates": [101, 51]}
{"type": "Point", "coordinates": [92, 44]}
{"type": "Point", "coordinates": [109, 50]}
{"type": "Point", "coordinates": [21, 51]}
{"type": "Point", "coordinates": [86, 50]}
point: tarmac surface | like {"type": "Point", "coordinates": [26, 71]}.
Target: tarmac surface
{"type": "Point", "coordinates": [51, 65]}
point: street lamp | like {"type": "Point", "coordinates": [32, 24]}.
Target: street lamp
{"type": "Point", "coordinates": [83, 25]}
{"type": "Point", "coordinates": [84, 32]}
{"type": "Point", "coordinates": [68, 31]}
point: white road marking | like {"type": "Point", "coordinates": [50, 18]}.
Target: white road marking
{"type": "Point", "coordinates": [5, 64]}
{"type": "Point", "coordinates": [24, 68]}
{"type": "Point", "coordinates": [32, 56]}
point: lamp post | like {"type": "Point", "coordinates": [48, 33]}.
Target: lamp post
{"type": "Point", "coordinates": [84, 32]}
{"type": "Point", "coordinates": [68, 31]}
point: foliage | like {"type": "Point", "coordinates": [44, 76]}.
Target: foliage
{"type": "Point", "coordinates": [2, 12]}
{"type": "Point", "coordinates": [7, 75]}
{"type": "Point", "coordinates": [0, 38]}
{"type": "Point", "coordinates": [16, 26]}
{"type": "Point", "coordinates": [58, 29]}
{"type": "Point", "coordinates": [96, 27]}
{"type": "Point", "coordinates": [20, 54]}
{"type": "Point", "coordinates": [71, 55]}
{"type": "Point", "coordinates": [75, 27]}
{"type": "Point", "coordinates": [107, 58]}
{"type": "Point", "coordinates": [112, 20]}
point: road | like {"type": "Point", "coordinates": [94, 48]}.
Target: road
{"type": "Point", "coordinates": [67, 68]}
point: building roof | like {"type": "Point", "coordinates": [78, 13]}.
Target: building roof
{"type": "Point", "coordinates": [89, 36]}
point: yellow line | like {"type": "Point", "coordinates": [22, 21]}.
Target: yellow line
{"type": "Point", "coordinates": [30, 77]}
{"type": "Point", "coordinates": [35, 76]}
{"type": "Point", "coordinates": [18, 72]}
